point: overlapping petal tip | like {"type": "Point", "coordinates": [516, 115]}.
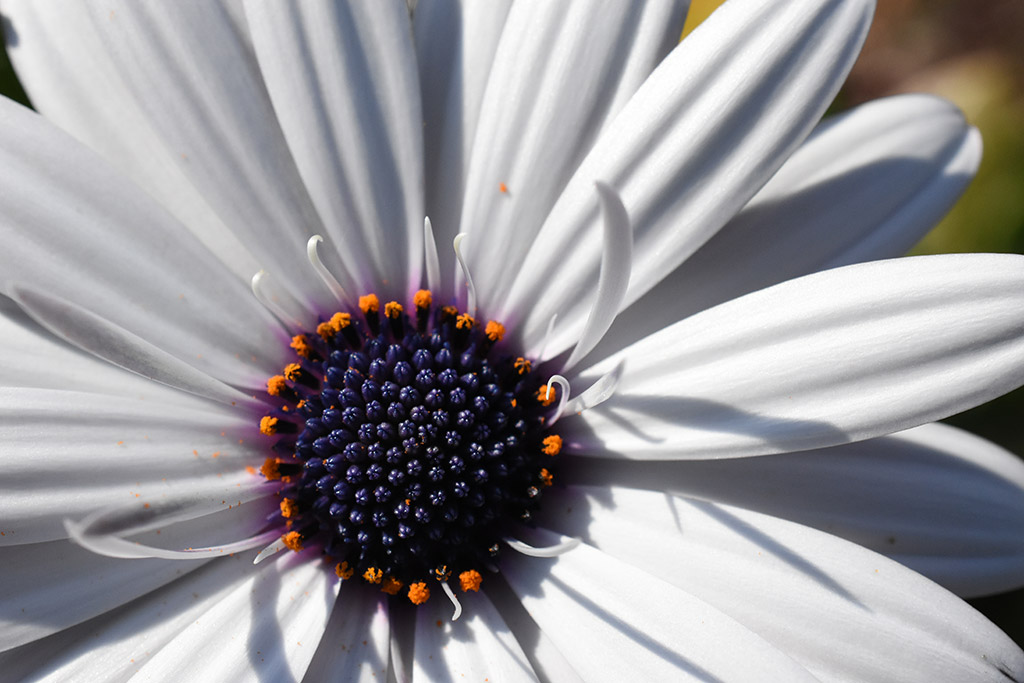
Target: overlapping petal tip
{"type": "Point", "coordinates": [939, 500]}
{"type": "Point", "coordinates": [830, 358]}
{"type": "Point", "coordinates": [819, 599]}
{"type": "Point", "coordinates": [343, 80]}
{"type": "Point", "coordinates": [706, 130]}
{"type": "Point", "coordinates": [866, 185]}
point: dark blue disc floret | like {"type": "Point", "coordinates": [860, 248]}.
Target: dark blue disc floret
{"type": "Point", "coordinates": [412, 443]}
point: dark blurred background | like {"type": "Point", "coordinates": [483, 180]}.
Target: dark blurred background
{"type": "Point", "coordinates": [972, 53]}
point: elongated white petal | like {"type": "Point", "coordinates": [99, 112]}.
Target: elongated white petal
{"type": "Point", "coordinates": [31, 357]}
{"type": "Point", "coordinates": [822, 600]}
{"type": "Point", "coordinates": [343, 80]}
{"type": "Point", "coordinates": [616, 261]}
{"type": "Point", "coordinates": [112, 646]}
{"type": "Point", "coordinates": [710, 126]}
{"type": "Point", "coordinates": [79, 231]}
{"type": "Point", "coordinates": [267, 628]}
{"type": "Point", "coordinates": [213, 114]}
{"type": "Point", "coordinates": [478, 647]}
{"type": "Point", "coordinates": [355, 643]}
{"type": "Point", "coordinates": [937, 499]}
{"type": "Point", "coordinates": [838, 356]}
{"type": "Point", "coordinates": [118, 346]}
{"type": "Point", "coordinates": [81, 88]}
{"type": "Point", "coordinates": [52, 586]}
{"type": "Point", "coordinates": [533, 131]}
{"type": "Point", "coordinates": [615, 622]}
{"type": "Point", "coordinates": [865, 185]}
{"type": "Point", "coordinates": [67, 454]}
{"type": "Point", "coordinates": [455, 45]}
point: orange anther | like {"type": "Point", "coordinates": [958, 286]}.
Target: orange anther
{"type": "Point", "coordinates": [422, 299]}
{"type": "Point", "coordinates": [289, 508]}
{"type": "Point", "coordinates": [344, 571]}
{"type": "Point", "coordinates": [470, 580]}
{"type": "Point", "coordinates": [292, 541]}
{"type": "Point", "coordinates": [393, 309]}
{"type": "Point", "coordinates": [301, 345]}
{"type": "Point", "coordinates": [545, 477]}
{"type": "Point", "coordinates": [391, 586]}
{"type": "Point", "coordinates": [465, 322]}
{"type": "Point", "coordinates": [522, 365]}
{"type": "Point", "coordinates": [270, 469]}
{"type": "Point", "coordinates": [268, 425]}
{"type": "Point", "coordinates": [546, 395]}
{"type": "Point", "coordinates": [293, 371]}
{"type": "Point", "coordinates": [369, 303]}
{"type": "Point", "coordinates": [494, 331]}
{"type": "Point", "coordinates": [419, 593]}
{"type": "Point", "coordinates": [275, 385]}
{"type": "Point", "coordinates": [373, 575]}
{"type": "Point", "coordinates": [552, 444]}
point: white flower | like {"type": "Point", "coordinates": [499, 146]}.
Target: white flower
{"type": "Point", "coordinates": [751, 442]}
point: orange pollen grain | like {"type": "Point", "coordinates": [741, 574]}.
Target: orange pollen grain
{"type": "Point", "coordinates": [344, 571]}
{"type": "Point", "coordinates": [293, 540]}
{"type": "Point", "coordinates": [545, 477]}
{"type": "Point", "coordinates": [275, 385]}
{"type": "Point", "coordinates": [546, 395]}
{"type": "Point", "coordinates": [393, 309]}
{"type": "Point", "coordinates": [449, 311]}
{"type": "Point", "coordinates": [391, 586]}
{"type": "Point", "coordinates": [369, 303]}
{"type": "Point", "coordinates": [522, 365]}
{"type": "Point", "coordinates": [419, 593]}
{"type": "Point", "coordinates": [422, 299]}
{"type": "Point", "coordinates": [502, 187]}
{"type": "Point", "coordinates": [301, 345]}
{"type": "Point", "coordinates": [270, 470]}
{"type": "Point", "coordinates": [373, 575]}
{"type": "Point", "coordinates": [552, 444]}
{"type": "Point", "coordinates": [470, 580]}
{"type": "Point", "coordinates": [268, 425]}
{"type": "Point", "coordinates": [293, 371]}
{"type": "Point", "coordinates": [289, 508]}
{"type": "Point", "coordinates": [494, 331]}
{"type": "Point", "coordinates": [465, 322]}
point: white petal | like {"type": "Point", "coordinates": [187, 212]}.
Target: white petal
{"type": "Point", "coordinates": [838, 356]}
{"type": "Point", "coordinates": [477, 647]}
{"type": "Point", "coordinates": [614, 622]}
{"type": "Point", "coordinates": [342, 77]}
{"type": "Point", "coordinates": [68, 453]}
{"type": "Point", "coordinates": [709, 127]}
{"type": "Point", "coordinates": [79, 231]}
{"type": "Point", "coordinates": [76, 82]}
{"type": "Point", "coordinates": [113, 646]}
{"type": "Point", "coordinates": [213, 112]}
{"type": "Point", "coordinates": [355, 643]}
{"type": "Point", "coordinates": [120, 347]}
{"type": "Point", "coordinates": [31, 357]}
{"type": "Point", "coordinates": [267, 628]}
{"type": "Point", "coordinates": [455, 45]}
{"type": "Point", "coordinates": [561, 71]}
{"type": "Point", "coordinates": [845, 613]}
{"type": "Point", "coordinates": [865, 185]}
{"type": "Point", "coordinates": [51, 586]}
{"type": "Point", "coordinates": [939, 500]}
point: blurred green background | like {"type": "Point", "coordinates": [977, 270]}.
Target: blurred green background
{"type": "Point", "coordinates": [972, 53]}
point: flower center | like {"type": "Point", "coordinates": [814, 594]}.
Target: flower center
{"type": "Point", "coordinates": [409, 445]}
